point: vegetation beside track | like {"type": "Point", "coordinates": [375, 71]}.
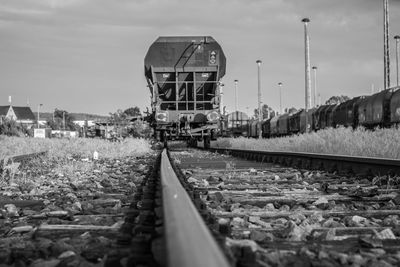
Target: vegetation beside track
{"type": "Point", "coordinates": [382, 143]}
{"type": "Point", "coordinates": [80, 147]}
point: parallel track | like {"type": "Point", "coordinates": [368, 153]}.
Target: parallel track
{"type": "Point", "coordinates": [364, 166]}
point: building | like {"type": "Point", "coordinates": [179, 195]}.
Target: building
{"type": "Point", "coordinates": [22, 115]}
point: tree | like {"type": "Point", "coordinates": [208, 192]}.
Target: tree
{"type": "Point", "coordinates": [133, 112]}
{"type": "Point", "coordinates": [12, 128]}
{"type": "Point", "coordinates": [337, 100]}
{"type": "Point", "coordinates": [118, 118]}
{"type": "Point", "coordinates": [60, 117]}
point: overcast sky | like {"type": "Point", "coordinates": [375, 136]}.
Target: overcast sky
{"type": "Point", "coordinates": [87, 55]}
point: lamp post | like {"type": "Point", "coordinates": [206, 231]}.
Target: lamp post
{"type": "Point", "coordinates": [314, 68]}
{"type": "Point", "coordinates": [259, 98]}
{"type": "Point", "coordinates": [280, 97]}
{"type": "Point", "coordinates": [221, 98]}
{"type": "Point", "coordinates": [397, 38]}
{"type": "Point", "coordinates": [236, 95]}
{"type": "Point", "coordinates": [38, 115]}
{"type": "Point", "coordinates": [386, 51]}
{"type": "Point", "coordinates": [307, 69]}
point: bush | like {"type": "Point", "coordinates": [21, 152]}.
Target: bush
{"type": "Point", "coordinates": [12, 128]}
{"type": "Point", "coordinates": [140, 129]}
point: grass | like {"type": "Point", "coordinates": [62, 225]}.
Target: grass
{"type": "Point", "coordinates": [382, 143]}
{"type": "Point", "coordinates": [68, 158]}
{"type": "Point", "coordinates": [76, 148]}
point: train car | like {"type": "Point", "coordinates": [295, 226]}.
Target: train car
{"type": "Point", "coordinates": [375, 110]}
{"type": "Point", "coordinates": [274, 126]}
{"type": "Point", "coordinates": [237, 124]}
{"type": "Point", "coordinates": [294, 122]}
{"type": "Point", "coordinates": [395, 107]}
{"type": "Point", "coordinates": [283, 124]}
{"type": "Point", "coordinates": [346, 114]}
{"type": "Point", "coordinates": [183, 74]}
{"type": "Point", "coordinates": [253, 129]}
{"type": "Point", "coordinates": [318, 117]}
{"type": "Point", "coordinates": [266, 128]}
{"type": "Point", "coordinates": [306, 120]}
{"type": "Point", "coordinates": [328, 122]}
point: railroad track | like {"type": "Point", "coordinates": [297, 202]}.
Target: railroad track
{"type": "Point", "coordinates": [209, 209]}
{"type": "Point", "coordinates": [280, 216]}
{"type": "Point", "coordinates": [342, 164]}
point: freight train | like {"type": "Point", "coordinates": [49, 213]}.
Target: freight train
{"type": "Point", "coordinates": [381, 109]}
{"type": "Point", "coordinates": [183, 74]}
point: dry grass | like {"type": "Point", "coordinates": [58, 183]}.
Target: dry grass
{"type": "Point", "coordinates": [383, 143]}
{"type": "Point", "coordinates": [77, 148]}
{"type": "Point", "coordinates": [70, 158]}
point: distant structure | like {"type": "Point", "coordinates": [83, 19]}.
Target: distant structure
{"type": "Point", "coordinates": [22, 115]}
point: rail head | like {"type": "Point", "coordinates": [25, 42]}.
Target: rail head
{"type": "Point", "coordinates": [19, 158]}
{"type": "Point", "coordinates": [188, 240]}
{"type": "Point", "coordinates": [344, 158]}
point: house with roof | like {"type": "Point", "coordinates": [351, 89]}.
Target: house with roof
{"type": "Point", "coordinates": [23, 115]}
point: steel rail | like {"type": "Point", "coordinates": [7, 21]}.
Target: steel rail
{"type": "Point", "coordinates": [19, 158]}
{"type": "Point", "coordinates": [340, 163]}
{"type": "Point", "coordinates": [188, 240]}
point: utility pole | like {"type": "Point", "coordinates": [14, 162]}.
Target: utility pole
{"type": "Point", "coordinates": [236, 94]}
{"type": "Point", "coordinates": [280, 97]}
{"type": "Point", "coordinates": [38, 115]}
{"type": "Point", "coordinates": [386, 52]}
{"type": "Point", "coordinates": [314, 68]}
{"type": "Point", "coordinates": [397, 38]}
{"type": "Point", "coordinates": [307, 70]}
{"type": "Point", "coordinates": [259, 99]}
{"type": "Point", "coordinates": [221, 98]}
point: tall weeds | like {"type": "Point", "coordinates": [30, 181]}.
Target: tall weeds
{"type": "Point", "coordinates": [80, 147]}
{"type": "Point", "coordinates": [383, 143]}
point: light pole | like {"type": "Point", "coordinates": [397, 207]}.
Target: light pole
{"type": "Point", "coordinates": [280, 97]}
{"type": "Point", "coordinates": [307, 69]}
{"type": "Point", "coordinates": [259, 99]}
{"type": "Point", "coordinates": [386, 56]}
{"type": "Point", "coordinates": [397, 38]}
{"type": "Point", "coordinates": [38, 115]}
{"type": "Point", "coordinates": [221, 98]}
{"type": "Point", "coordinates": [236, 95]}
{"type": "Point", "coordinates": [307, 64]}
{"type": "Point", "coordinates": [314, 68]}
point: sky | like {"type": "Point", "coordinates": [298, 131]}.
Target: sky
{"type": "Point", "coordinates": [88, 55]}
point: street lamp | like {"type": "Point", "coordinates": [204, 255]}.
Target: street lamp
{"type": "Point", "coordinates": [315, 85]}
{"type": "Point", "coordinates": [307, 64]}
{"type": "Point", "coordinates": [280, 97]}
{"type": "Point", "coordinates": [236, 95]}
{"type": "Point", "coordinates": [259, 98]}
{"type": "Point", "coordinates": [38, 115]}
{"type": "Point", "coordinates": [307, 69]}
{"type": "Point", "coordinates": [221, 98]}
{"type": "Point", "coordinates": [386, 51]}
{"type": "Point", "coordinates": [397, 38]}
